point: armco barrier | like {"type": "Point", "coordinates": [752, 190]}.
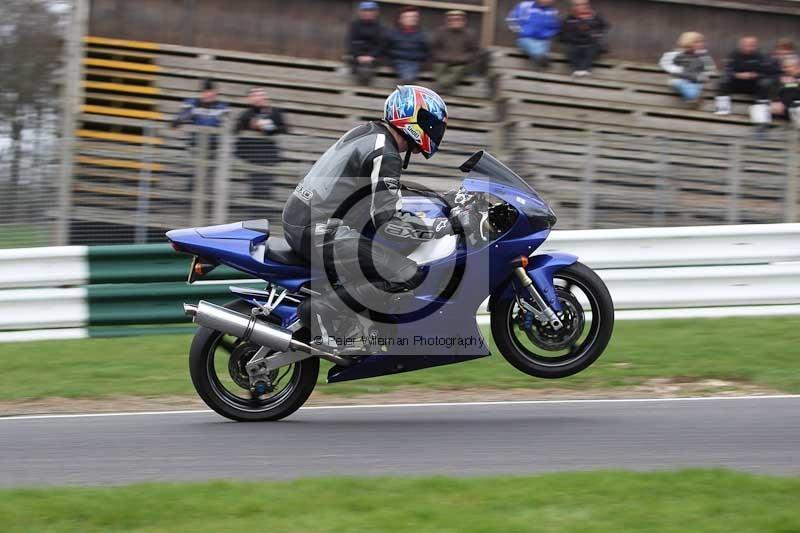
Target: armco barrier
{"type": "Point", "coordinates": [76, 291]}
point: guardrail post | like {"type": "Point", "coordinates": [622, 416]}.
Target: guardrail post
{"type": "Point", "coordinates": [487, 24]}
{"type": "Point", "coordinates": [200, 177]}
{"type": "Point", "coordinates": [734, 181]}
{"type": "Point", "coordinates": [72, 96]}
{"type": "Point", "coordinates": [792, 183]}
{"type": "Point", "coordinates": [587, 203]}
{"type": "Point", "coordinates": [143, 200]}
{"type": "Point", "coordinates": [223, 172]}
{"type": "Point", "coordinates": [662, 181]}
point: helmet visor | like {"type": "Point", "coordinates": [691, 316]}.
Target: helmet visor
{"type": "Point", "coordinates": [432, 126]}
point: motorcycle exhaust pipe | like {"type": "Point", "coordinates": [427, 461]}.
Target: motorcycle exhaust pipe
{"type": "Point", "coordinates": [249, 329]}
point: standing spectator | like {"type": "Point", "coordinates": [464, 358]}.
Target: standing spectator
{"type": "Point", "coordinates": [408, 46]}
{"type": "Point", "coordinates": [207, 110]}
{"type": "Point", "coordinates": [455, 48]}
{"type": "Point", "coordinates": [584, 33]}
{"type": "Point", "coordinates": [535, 23]}
{"type": "Point", "coordinates": [786, 104]}
{"type": "Point", "coordinates": [365, 42]}
{"type": "Point", "coordinates": [746, 72]}
{"type": "Point", "coordinates": [263, 118]}
{"type": "Point", "coordinates": [690, 66]}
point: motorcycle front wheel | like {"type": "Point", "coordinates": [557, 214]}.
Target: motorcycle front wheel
{"type": "Point", "coordinates": [217, 366]}
{"type": "Point", "coordinates": [539, 350]}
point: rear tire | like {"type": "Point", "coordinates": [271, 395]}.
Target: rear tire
{"type": "Point", "coordinates": [209, 388]}
{"type": "Point", "coordinates": [504, 321]}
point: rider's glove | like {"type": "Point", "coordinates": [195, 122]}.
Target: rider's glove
{"type": "Point", "coordinates": [458, 197]}
{"type": "Point", "coordinates": [467, 221]}
{"type": "Point", "coordinates": [441, 227]}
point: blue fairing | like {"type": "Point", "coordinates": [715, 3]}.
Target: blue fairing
{"type": "Point", "coordinates": [541, 269]}
{"type": "Point", "coordinates": [237, 247]}
{"type": "Point", "coordinates": [484, 269]}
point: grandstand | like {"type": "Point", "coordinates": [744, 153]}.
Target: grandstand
{"type": "Point", "coordinates": [612, 150]}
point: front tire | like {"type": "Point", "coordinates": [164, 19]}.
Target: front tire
{"type": "Point", "coordinates": [543, 352]}
{"type": "Point", "coordinates": [227, 395]}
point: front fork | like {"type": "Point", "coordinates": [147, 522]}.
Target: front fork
{"type": "Point", "coordinates": [542, 312]}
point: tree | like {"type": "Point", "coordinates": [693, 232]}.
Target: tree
{"type": "Point", "coordinates": [30, 54]}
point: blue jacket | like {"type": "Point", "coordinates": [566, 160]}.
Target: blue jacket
{"type": "Point", "coordinates": [529, 20]}
{"type": "Point", "coordinates": [408, 46]}
{"type": "Point", "coordinates": [194, 111]}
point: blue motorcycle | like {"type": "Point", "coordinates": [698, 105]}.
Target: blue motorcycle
{"type": "Point", "coordinates": [254, 359]}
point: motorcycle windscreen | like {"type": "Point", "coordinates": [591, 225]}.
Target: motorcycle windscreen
{"type": "Point", "coordinates": [484, 166]}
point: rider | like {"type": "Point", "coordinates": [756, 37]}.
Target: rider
{"type": "Point", "coordinates": [351, 200]}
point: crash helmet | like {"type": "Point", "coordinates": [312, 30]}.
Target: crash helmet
{"type": "Point", "coordinates": [419, 114]}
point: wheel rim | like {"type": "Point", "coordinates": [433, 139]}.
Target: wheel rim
{"type": "Point", "coordinates": [228, 387]}
{"type": "Point", "coordinates": [529, 343]}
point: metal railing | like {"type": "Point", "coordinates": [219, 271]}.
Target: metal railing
{"type": "Point", "coordinates": [131, 188]}
{"type": "Point", "coordinates": [77, 291]}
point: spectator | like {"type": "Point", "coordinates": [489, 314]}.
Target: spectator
{"type": "Point", "coordinates": [262, 150]}
{"type": "Point", "coordinates": [690, 66]}
{"type": "Point", "coordinates": [207, 110]}
{"type": "Point", "coordinates": [784, 50]}
{"type": "Point", "coordinates": [787, 101]}
{"type": "Point", "coordinates": [747, 71]}
{"type": "Point", "coordinates": [365, 42]}
{"type": "Point", "coordinates": [455, 48]}
{"type": "Point", "coordinates": [584, 33]}
{"type": "Point", "coordinates": [535, 23]}
{"type": "Point", "coordinates": [408, 46]}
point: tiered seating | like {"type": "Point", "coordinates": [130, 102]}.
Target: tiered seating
{"type": "Point", "coordinates": [133, 89]}
{"type": "Point", "coordinates": [648, 160]}
{"type": "Point", "coordinates": [623, 142]}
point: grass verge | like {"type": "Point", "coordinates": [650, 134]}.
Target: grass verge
{"type": "Point", "coordinates": [758, 351]}
{"type": "Point", "coordinates": [701, 501]}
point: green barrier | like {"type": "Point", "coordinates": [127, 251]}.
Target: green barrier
{"type": "Point", "coordinates": [149, 303]}
{"type": "Point", "coordinates": [145, 263]}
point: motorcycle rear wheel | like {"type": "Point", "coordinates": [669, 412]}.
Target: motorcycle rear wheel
{"type": "Point", "coordinates": [545, 353]}
{"type": "Point", "coordinates": [231, 399]}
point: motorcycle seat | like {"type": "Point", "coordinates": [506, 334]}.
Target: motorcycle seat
{"type": "Point", "coordinates": [259, 225]}
{"type": "Point", "coordinates": [278, 250]}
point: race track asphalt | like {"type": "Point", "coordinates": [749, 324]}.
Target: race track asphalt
{"type": "Point", "coordinates": [761, 435]}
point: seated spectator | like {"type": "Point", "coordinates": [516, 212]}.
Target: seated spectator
{"type": "Point", "coordinates": [746, 72]}
{"type": "Point", "coordinates": [784, 50]}
{"type": "Point", "coordinates": [535, 23]}
{"type": "Point", "coordinates": [455, 48]}
{"type": "Point", "coordinates": [207, 110]}
{"type": "Point", "coordinates": [584, 33]}
{"type": "Point", "coordinates": [786, 104]}
{"type": "Point", "coordinates": [267, 120]}
{"type": "Point", "coordinates": [690, 66]}
{"type": "Point", "coordinates": [365, 42]}
{"type": "Point", "coordinates": [407, 46]}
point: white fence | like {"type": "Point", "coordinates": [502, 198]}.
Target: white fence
{"type": "Point", "coordinates": [652, 273]}
{"type": "Point", "coordinates": [693, 271]}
